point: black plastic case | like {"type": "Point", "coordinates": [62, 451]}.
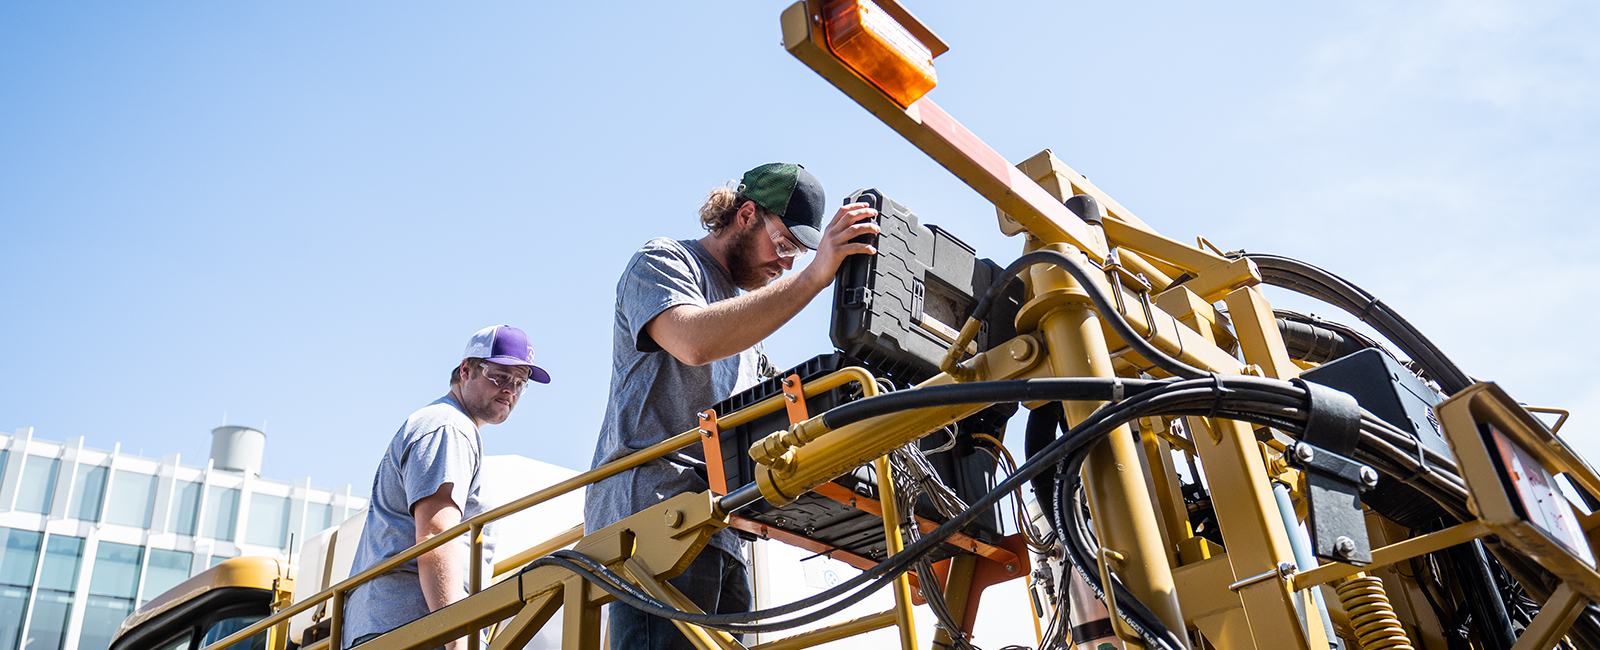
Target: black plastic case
{"type": "Point", "coordinates": [898, 311]}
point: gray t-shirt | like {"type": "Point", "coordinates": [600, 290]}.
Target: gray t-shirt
{"type": "Point", "coordinates": [438, 444]}
{"type": "Point", "coordinates": [653, 395]}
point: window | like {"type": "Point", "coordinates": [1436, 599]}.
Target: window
{"type": "Point", "coordinates": [218, 559]}
{"type": "Point", "coordinates": [222, 512]}
{"type": "Point", "coordinates": [165, 570]}
{"type": "Point", "coordinates": [185, 507]}
{"type": "Point", "coordinates": [63, 556]}
{"type": "Point", "coordinates": [319, 516]}
{"type": "Point", "coordinates": [100, 621]}
{"type": "Point", "coordinates": [19, 556]}
{"type": "Point", "coordinates": [13, 604]}
{"type": "Point", "coordinates": [222, 629]}
{"type": "Point", "coordinates": [133, 500]}
{"type": "Point", "coordinates": [88, 492]}
{"type": "Point", "coordinates": [269, 520]}
{"type": "Point", "coordinates": [116, 570]}
{"type": "Point", "coordinates": [47, 627]}
{"type": "Point", "coordinates": [111, 588]}
{"type": "Point", "coordinates": [38, 484]}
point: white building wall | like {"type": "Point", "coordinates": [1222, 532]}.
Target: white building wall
{"type": "Point", "coordinates": [158, 537]}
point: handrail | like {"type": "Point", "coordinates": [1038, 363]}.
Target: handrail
{"type": "Point", "coordinates": [592, 476]}
{"type": "Point", "coordinates": [635, 459]}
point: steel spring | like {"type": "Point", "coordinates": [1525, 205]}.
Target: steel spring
{"type": "Point", "coordinates": [1376, 626]}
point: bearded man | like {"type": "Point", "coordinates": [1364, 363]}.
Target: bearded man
{"type": "Point", "coordinates": [685, 338]}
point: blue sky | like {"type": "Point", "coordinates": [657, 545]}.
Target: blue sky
{"type": "Point", "coordinates": [295, 213]}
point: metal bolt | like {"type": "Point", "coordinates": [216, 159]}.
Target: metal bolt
{"type": "Point", "coordinates": [1369, 476]}
{"type": "Point", "coordinates": [790, 397]}
{"type": "Point", "coordinates": [1304, 452]}
{"type": "Point", "coordinates": [705, 432]}
{"type": "Point", "coordinates": [788, 382]}
{"type": "Point", "coordinates": [705, 416]}
{"type": "Point", "coordinates": [1344, 546]}
{"type": "Point", "coordinates": [674, 518]}
{"type": "Point", "coordinates": [1011, 568]}
{"type": "Point", "coordinates": [1021, 349]}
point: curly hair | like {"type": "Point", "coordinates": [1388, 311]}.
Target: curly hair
{"type": "Point", "coordinates": [720, 206]}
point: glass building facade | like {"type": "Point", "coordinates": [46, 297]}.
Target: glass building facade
{"type": "Point", "coordinates": [88, 535]}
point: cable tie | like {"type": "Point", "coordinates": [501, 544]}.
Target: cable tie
{"type": "Point", "coordinates": [1217, 391]}
{"type": "Point", "coordinates": [1422, 464]}
{"type": "Point", "coordinates": [1118, 391]}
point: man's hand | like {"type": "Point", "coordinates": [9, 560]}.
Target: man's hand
{"type": "Point", "coordinates": [836, 245]}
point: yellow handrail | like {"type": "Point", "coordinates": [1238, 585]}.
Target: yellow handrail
{"type": "Point", "coordinates": [653, 452]}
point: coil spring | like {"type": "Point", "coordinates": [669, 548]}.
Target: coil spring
{"type": "Point", "coordinates": [1376, 626]}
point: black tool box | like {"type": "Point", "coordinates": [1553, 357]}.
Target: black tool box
{"type": "Point", "coordinates": [900, 310]}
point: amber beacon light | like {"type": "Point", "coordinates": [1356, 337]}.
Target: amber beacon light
{"type": "Point", "coordinates": [878, 48]}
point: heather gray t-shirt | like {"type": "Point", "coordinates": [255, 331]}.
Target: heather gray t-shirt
{"type": "Point", "coordinates": [438, 444]}
{"type": "Point", "coordinates": [653, 395]}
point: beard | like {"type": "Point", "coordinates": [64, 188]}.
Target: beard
{"type": "Point", "coordinates": [746, 272]}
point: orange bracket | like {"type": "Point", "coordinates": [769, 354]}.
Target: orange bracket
{"type": "Point", "coordinates": [711, 437]}
{"type": "Point", "coordinates": [794, 399]}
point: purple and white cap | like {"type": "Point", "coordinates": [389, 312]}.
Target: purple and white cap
{"type": "Point", "coordinates": [507, 346]}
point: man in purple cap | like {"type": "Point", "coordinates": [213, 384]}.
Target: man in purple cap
{"type": "Point", "coordinates": [685, 337]}
{"type": "Point", "coordinates": [428, 481]}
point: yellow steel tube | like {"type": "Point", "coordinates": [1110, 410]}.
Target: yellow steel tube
{"type": "Point", "coordinates": [336, 592]}
{"type": "Point", "coordinates": [833, 632]}
{"type": "Point", "coordinates": [1118, 498]}
{"type": "Point", "coordinates": [891, 533]}
{"type": "Point", "coordinates": [544, 548]}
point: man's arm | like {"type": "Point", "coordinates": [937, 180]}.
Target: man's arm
{"type": "Point", "coordinates": [440, 569]}
{"type": "Point", "coordinates": [700, 335]}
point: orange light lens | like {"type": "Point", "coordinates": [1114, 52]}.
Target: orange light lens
{"type": "Point", "coordinates": [878, 48]}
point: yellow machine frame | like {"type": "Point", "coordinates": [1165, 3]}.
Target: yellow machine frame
{"type": "Point", "coordinates": [1249, 593]}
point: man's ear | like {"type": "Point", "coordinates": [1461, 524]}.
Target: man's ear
{"type": "Point", "coordinates": [464, 371]}
{"type": "Point", "coordinates": [746, 214]}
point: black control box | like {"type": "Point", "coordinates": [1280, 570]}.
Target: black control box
{"type": "Point", "coordinates": [900, 310]}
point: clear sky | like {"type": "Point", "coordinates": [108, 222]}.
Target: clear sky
{"type": "Point", "coordinates": [295, 213]}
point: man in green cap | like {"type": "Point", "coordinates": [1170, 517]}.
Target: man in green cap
{"type": "Point", "coordinates": [685, 337]}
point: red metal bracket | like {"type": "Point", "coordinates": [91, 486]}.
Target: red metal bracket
{"type": "Point", "coordinates": [711, 438]}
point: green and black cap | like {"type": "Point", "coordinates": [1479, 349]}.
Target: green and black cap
{"type": "Point", "coordinates": [792, 193]}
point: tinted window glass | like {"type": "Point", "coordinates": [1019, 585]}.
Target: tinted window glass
{"type": "Point", "coordinates": [185, 507]}
{"type": "Point", "coordinates": [132, 499]}
{"type": "Point", "coordinates": [88, 492]}
{"type": "Point", "coordinates": [38, 484]}
{"type": "Point", "coordinates": [222, 512]}
{"type": "Point", "coordinates": [19, 556]}
{"type": "Point", "coordinates": [269, 520]}
{"type": "Point", "coordinates": [164, 571]}
{"type": "Point", "coordinates": [62, 556]}
{"type": "Point", "coordinates": [47, 625]}
{"type": "Point", "coordinates": [116, 570]}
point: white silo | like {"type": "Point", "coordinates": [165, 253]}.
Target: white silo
{"type": "Point", "coordinates": [238, 449]}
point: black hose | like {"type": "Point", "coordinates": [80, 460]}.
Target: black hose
{"type": "Point", "coordinates": [1304, 278]}
{"type": "Point", "coordinates": [1118, 322]}
{"type": "Point", "coordinates": [1094, 389]}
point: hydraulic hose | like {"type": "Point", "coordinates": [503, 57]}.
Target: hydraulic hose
{"type": "Point", "coordinates": [1102, 303]}
{"type": "Point", "coordinates": [1304, 278]}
